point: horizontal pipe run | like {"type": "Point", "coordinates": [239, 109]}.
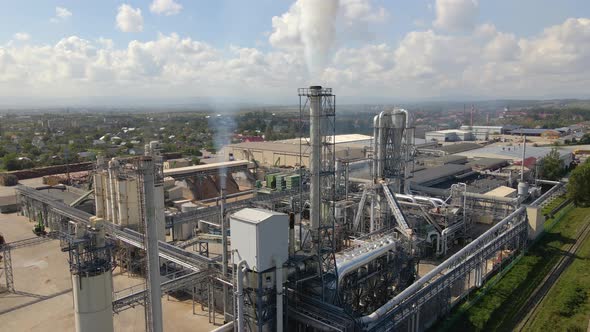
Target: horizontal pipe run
{"type": "Point", "coordinates": [374, 317]}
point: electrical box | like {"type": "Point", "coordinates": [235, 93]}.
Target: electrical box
{"type": "Point", "coordinates": [260, 237]}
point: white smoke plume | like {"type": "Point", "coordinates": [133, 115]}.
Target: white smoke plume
{"type": "Point", "coordinates": [310, 25]}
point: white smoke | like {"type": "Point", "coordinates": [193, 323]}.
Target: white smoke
{"type": "Point", "coordinates": [310, 25]}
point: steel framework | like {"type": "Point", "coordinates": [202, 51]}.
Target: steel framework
{"type": "Point", "coordinates": [323, 177]}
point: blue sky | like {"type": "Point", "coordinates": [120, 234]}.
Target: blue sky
{"type": "Point", "coordinates": [391, 49]}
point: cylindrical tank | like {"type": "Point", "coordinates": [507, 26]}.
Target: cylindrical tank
{"type": "Point", "coordinates": [93, 302]}
{"type": "Point", "coordinates": [523, 189]}
{"type": "Point", "coordinates": [185, 231]}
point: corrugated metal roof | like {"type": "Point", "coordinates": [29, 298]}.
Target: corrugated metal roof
{"type": "Point", "coordinates": [459, 147]}
{"type": "Point", "coordinates": [509, 152]}
{"type": "Point", "coordinates": [434, 174]}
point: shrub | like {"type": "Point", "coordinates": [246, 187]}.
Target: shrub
{"type": "Point", "coordinates": [8, 180]}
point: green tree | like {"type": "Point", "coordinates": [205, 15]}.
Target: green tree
{"type": "Point", "coordinates": [578, 187]}
{"type": "Point", "coordinates": [10, 162]}
{"type": "Point", "coordinates": [552, 166]}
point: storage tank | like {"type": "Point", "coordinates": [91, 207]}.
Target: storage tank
{"type": "Point", "coordinates": [185, 231]}
{"type": "Point", "coordinates": [523, 190]}
{"type": "Point", "coordinates": [92, 280]}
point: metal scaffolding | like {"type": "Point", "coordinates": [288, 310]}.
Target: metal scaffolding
{"type": "Point", "coordinates": [320, 104]}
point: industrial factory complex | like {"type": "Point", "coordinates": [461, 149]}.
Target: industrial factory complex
{"type": "Point", "coordinates": [320, 233]}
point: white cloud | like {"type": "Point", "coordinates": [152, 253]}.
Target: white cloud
{"type": "Point", "coordinates": [129, 19]}
{"type": "Point", "coordinates": [363, 10]}
{"type": "Point", "coordinates": [456, 15]}
{"type": "Point", "coordinates": [22, 36]}
{"type": "Point", "coordinates": [166, 7]}
{"type": "Point", "coordinates": [61, 14]}
{"type": "Point", "coordinates": [483, 63]}
{"type": "Point", "coordinates": [310, 27]}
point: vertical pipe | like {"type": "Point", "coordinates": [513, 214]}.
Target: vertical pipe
{"type": "Point", "coordinates": [523, 158]}
{"type": "Point", "coordinates": [151, 244]}
{"type": "Point", "coordinates": [315, 156]}
{"type": "Point", "coordinates": [240, 285]}
{"type": "Point", "coordinates": [375, 144]}
{"type": "Point", "coordinates": [224, 259]}
{"type": "Point", "coordinates": [113, 168]}
{"type": "Point", "coordinates": [291, 234]}
{"type": "Point", "coordinates": [279, 290]}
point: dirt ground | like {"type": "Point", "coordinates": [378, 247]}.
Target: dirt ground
{"type": "Point", "coordinates": [44, 302]}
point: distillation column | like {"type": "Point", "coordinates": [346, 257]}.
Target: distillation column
{"type": "Point", "coordinates": [92, 280]}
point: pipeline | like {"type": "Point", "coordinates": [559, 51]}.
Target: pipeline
{"type": "Point", "coordinates": [442, 249]}
{"type": "Point", "coordinates": [374, 317]}
{"type": "Point", "coordinates": [279, 295]}
{"type": "Point", "coordinates": [241, 270]}
{"type": "Point", "coordinates": [349, 265]}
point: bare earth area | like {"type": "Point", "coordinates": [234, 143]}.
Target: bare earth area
{"type": "Point", "coordinates": [43, 300]}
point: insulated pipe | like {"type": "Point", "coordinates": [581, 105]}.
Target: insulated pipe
{"type": "Point", "coordinates": [374, 317]}
{"type": "Point", "coordinates": [279, 290]}
{"type": "Point", "coordinates": [408, 197]}
{"type": "Point", "coordinates": [315, 107]}
{"type": "Point", "coordinates": [445, 233]}
{"type": "Point", "coordinates": [548, 182]}
{"type": "Point", "coordinates": [241, 271]}
{"type": "Point", "coordinates": [436, 202]}
{"type": "Point", "coordinates": [438, 239]}
{"type": "Point", "coordinates": [352, 264]}
{"type": "Point", "coordinates": [426, 200]}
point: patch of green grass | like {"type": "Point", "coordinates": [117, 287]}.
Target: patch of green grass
{"type": "Point", "coordinates": [495, 311]}
{"type": "Point", "coordinates": [567, 305]}
{"type": "Point", "coordinates": [553, 204]}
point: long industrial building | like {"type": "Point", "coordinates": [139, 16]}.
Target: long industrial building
{"type": "Point", "coordinates": [354, 233]}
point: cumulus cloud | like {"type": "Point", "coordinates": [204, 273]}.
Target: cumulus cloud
{"type": "Point", "coordinates": [310, 27]}
{"type": "Point", "coordinates": [22, 36]}
{"type": "Point", "coordinates": [129, 19]}
{"type": "Point", "coordinates": [485, 62]}
{"type": "Point", "coordinates": [363, 10]}
{"type": "Point", "coordinates": [456, 15]}
{"type": "Point", "coordinates": [61, 14]}
{"type": "Point", "coordinates": [165, 7]}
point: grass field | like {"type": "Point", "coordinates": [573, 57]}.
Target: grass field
{"type": "Point", "coordinates": [553, 204]}
{"type": "Point", "coordinates": [495, 311]}
{"type": "Point", "coordinates": [567, 305]}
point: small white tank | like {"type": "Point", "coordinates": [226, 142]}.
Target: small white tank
{"type": "Point", "coordinates": [523, 189]}
{"type": "Point", "coordinates": [185, 231]}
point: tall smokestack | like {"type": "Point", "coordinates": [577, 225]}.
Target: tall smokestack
{"type": "Point", "coordinates": [315, 157]}
{"type": "Point", "coordinates": [151, 244]}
